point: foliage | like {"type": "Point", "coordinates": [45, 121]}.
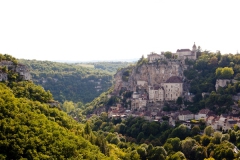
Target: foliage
{"type": "Point", "coordinates": [224, 73]}
{"type": "Point", "coordinates": [27, 89]}
{"type": "Point", "coordinates": [179, 100]}
{"type": "Point", "coordinates": [111, 67]}
{"type": "Point", "coordinates": [7, 57]}
{"type": "Point", "coordinates": [142, 61]}
{"type": "Point", "coordinates": [201, 76]}
{"type": "Point", "coordinates": [70, 82]}
{"type": "Point", "coordinates": [168, 54]}
{"type": "Point", "coordinates": [30, 129]}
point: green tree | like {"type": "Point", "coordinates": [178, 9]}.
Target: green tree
{"type": "Point", "coordinates": [87, 129]}
{"type": "Point", "coordinates": [216, 137]}
{"type": "Point", "coordinates": [140, 136]}
{"type": "Point", "coordinates": [224, 73]}
{"type": "Point", "coordinates": [208, 131]}
{"type": "Point", "coordinates": [177, 156]}
{"type": "Point", "coordinates": [187, 146]}
{"type": "Point", "coordinates": [168, 55]}
{"type": "Point", "coordinates": [205, 140]}
{"type": "Point", "coordinates": [179, 100]}
{"type": "Point", "coordinates": [68, 106]}
{"type": "Point", "coordinates": [195, 130]}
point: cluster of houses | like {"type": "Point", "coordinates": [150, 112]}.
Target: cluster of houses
{"type": "Point", "coordinates": [146, 99]}
{"type": "Point", "coordinates": [167, 91]}
{"type": "Point", "coordinates": [222, 122]}
{"type": "Point", "coordinates": [21, 69]}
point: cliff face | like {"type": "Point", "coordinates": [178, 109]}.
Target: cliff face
{"type": "Point", "coordinates": [152, 73]}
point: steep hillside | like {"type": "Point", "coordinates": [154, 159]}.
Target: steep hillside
{"type": "Point", "coordinates": [32, 126]}
{"type": "Point", "coordinates": [30, 129]}
{"type": "Point", "coordinates": [69, 81]}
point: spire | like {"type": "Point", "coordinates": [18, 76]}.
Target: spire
{"type": "Point", "coordinates": [194, 47]}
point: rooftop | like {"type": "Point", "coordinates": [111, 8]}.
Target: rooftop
{"type": "Point", "coordinates": [187, 112]}
{"type": "Point", "coordinates": [183, 50]}
{"type": "Point", "coordinates": [174, 79]}
{"type": "Point", "coordinates": [204, 111]}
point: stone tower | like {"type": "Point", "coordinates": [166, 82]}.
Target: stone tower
{"type": "Point", "coordinates": [194, 50]}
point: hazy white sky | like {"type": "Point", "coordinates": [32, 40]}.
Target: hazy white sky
{"type": "Point", "coordinates": [84, 30]}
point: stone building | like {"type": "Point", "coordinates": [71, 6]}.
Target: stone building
{"type": "Point", "coordinates": [173, 88]}
{"type": "Point", "coordinates": [185, 115]}
{"type": "Point", "coordinates": [156, 93]}
{"type": "Point", "coordinates": [142, 83]}
{"type": "Point", "coordinates": [168, 91]}
{"type": "Point", "coordinates": [182, 54]}
{"type": "Point", "coordinates": [152, 57]}
{"type": "Point", "coordinates": [187, 53]}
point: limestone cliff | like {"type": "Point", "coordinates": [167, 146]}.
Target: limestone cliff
{"type": "Point", "coordinates": [152, 73]}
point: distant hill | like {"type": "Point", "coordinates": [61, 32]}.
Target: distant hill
{"type": "Point", "coordinates": [111, 67]}
{"type": "Point", "coordinates": [74, 82]}
{"type": "Point", "coordinates": [69, 81]}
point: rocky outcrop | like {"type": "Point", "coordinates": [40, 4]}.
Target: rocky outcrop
{"type": "Point", "coordinates": [153, 73]}
{"type": "Point", "coordinates": [22, 70]}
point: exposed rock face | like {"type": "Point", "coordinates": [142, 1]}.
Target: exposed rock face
{"type": "Point", "coordinates": [152, 73]}
{"type": "Point", "coordinates": [21, 69]}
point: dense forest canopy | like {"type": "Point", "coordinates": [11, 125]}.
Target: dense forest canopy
{"type": "Point", "coordinates": [70, 82]}
{"type": "Point", "coordinates": [111, 67]}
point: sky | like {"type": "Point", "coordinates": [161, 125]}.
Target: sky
{"type": "Point", "coordinates": [106, 30]}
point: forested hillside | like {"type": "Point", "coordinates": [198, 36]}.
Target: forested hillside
{"type": "Point", "coordinates": [202, 76]}
{"type": "Point", "coordinates": [30, 128]}
{"type": "Point", "coordinates": [111, 67]}
{"type": "Point", "coordinates": [70, 82]}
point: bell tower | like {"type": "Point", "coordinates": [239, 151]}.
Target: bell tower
{"type": "Point", "coordinates": [194, 48]}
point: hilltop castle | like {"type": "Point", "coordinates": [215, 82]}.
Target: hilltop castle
{"type": "Point", "coordinates": [181, 54]}
{"type": "Point", "coordinates": [158, 80]}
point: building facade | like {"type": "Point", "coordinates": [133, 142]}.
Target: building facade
{"type": "Point", "coordinates": [168, 91]}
